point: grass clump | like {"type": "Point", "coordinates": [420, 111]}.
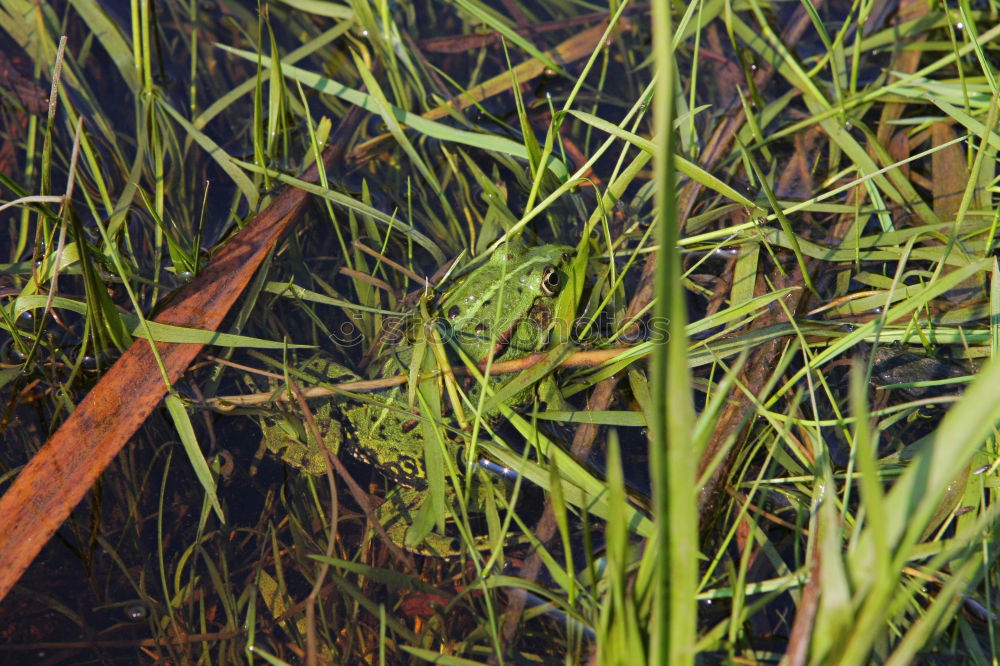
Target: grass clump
{"type": "Point", "coordinates": [744, 438]}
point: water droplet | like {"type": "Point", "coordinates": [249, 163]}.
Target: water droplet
{"type": "Point", "coordinates": [364, 33]}
{"type": "Point", "coordinates": [959, 26]}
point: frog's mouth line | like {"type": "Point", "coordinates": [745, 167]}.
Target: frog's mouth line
{"type": "Point", "coordinates": [503, 341]}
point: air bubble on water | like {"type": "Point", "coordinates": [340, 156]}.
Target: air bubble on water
{"type": "Point", "coordinates": [11, 354]}
{"type": "Point", "coordinates": [136, 612]}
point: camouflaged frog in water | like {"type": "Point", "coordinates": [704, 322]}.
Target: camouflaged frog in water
{"type": "Point", "coordinates": [503, 306]}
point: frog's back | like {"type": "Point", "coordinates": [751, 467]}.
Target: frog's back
{"type": "Point", "coordinates": [384, 438]}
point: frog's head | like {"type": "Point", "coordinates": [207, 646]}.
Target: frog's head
{"type": "Point", "coordinates": [485, 307]}
{"type": "Point", "coordinates": [534, 271]}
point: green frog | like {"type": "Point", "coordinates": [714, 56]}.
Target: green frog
{"type": "Point", "coordinates": [503, 306]}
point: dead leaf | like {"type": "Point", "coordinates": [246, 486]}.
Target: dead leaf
{"type": "Point", "coordinates": [949, 170]}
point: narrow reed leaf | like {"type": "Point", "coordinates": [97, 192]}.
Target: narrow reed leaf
{"type": "Point", "coordinates": [178, 414]}
{"type": "Point", "coordinates": [672, 631]}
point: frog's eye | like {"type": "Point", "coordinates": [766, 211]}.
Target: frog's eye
{"type": "Point", "coordinates": [550, 281]}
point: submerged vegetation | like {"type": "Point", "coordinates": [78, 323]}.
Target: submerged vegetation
{"type": "Point", "coordinates": [653, 337]}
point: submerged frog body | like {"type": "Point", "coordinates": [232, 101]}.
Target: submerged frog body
{"type": "Point", "coordinates": [895, 366]}
{"type": "Point", "coordinates": [502, 307]}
